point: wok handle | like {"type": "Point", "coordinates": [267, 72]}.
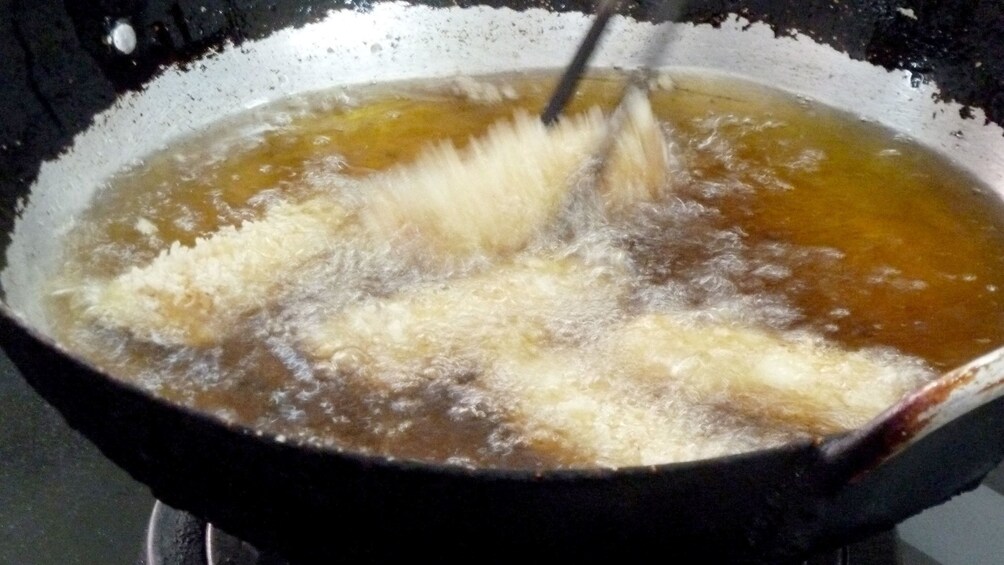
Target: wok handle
{"type": "Point", "coordinates": [871, 479]}
{"type": "Point", "coordinates": [849, 458]}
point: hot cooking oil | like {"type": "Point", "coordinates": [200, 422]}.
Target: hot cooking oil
{"type": "Point", "coordinates": [784, 214]}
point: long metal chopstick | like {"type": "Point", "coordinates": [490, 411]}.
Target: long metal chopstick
{"type": "Point", "coordinates": [570, 79]}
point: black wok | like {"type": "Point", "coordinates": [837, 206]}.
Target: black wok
{"type": "Point", "coordinates": [63, 64]}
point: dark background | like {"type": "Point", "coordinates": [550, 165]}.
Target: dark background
{"type": "Point", "coordinates": [61, 501]}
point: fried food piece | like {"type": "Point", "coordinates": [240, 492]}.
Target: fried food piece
{"type": "Point", "coordinates": [519, 329]}
{"type": "Point", "coordinates": [514, 310]}
{"type": "Point", "coordinates": [641, 161]}
{"type": "Point", "coordinates": [490, 198]}
{"type": "Point", "coordinates": [550, 346]}
{"type": "Point", "coordinates": [788, 381]}
{"type": "Point", "coordinates": [506, 186]}
{"type": "Point", "coordinates": [192, 295]}
{"type": "Point", "coordinates": [585, 404]}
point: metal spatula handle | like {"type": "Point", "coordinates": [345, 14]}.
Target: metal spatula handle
{"type": "Point", "coordinates": [566, 87]}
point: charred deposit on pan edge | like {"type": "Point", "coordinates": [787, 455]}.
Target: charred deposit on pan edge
{"type": "Point", "coordinates": [62, 71]}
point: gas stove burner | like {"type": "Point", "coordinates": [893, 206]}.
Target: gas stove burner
{"type": "Point", "coordinates": [224, 549]}
{"type": "Point", "coordinates": [174, 537]}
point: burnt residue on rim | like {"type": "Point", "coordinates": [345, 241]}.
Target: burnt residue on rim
{"type": "Point", "coordinates": [854, 455]}
{"type": "Point", "coordinates": [955, 43]}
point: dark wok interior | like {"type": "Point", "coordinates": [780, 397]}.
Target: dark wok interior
{"type": "Point", "coordinates": [58, 72]}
